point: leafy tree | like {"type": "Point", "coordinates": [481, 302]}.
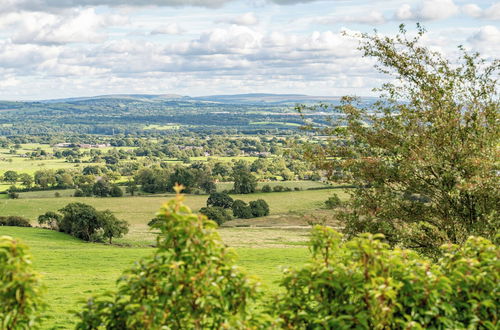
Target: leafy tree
{"type": "Point", "coordinates": [220, 199]}
{"type": "Point", "coordinates": [10, 176]}
{"type": "Point", "coordinates": [52, 219]}
{"type": "Point", "coordinates": [216, 213]}
{"type": "Point", "coordinates": [244, 182]}
{"type": "Point", "coordinates": [266, 188]}
{"type": "Point", "coordinates": [20, 287]}
{"type": "Point", "coordinates": [183, 176]}
{"type": "Point", "coordinates": [26, 180]}
{"type": "Point", "coordinates": [45, 178]}
{"type": "Point", "coordinates": [425, 156]}
{"type": "Point", "coordinates": [14, 221]}
{"type": "Point", "coordinates": [208, 186]}
{"type": "Point", "coordinates": [101, 188]}
{"type": "Point", "coordinates": [259, 208]}
{"type": "Point", "coordinates": [131, 187]}
{"type": "Point", "coordinates": [241, 210]}
{"type": "Point", "coordinates": [80, 220]}
{"type": "Point", "coordinates": [333, 202]}
{"type": "Point", "coordinates": [190, 282]}
{"type": "Point", "coordinates": [115, 191]}
{"type": "Point", "coordinates": [112, 227]}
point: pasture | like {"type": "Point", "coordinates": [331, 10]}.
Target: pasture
{"type": "Point", "coordinates": [73, 270]}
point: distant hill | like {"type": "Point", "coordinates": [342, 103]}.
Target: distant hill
{"type": "Point", "coordinates": [253, 98]}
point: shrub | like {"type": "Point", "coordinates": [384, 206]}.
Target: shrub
{"type": "Point", "coordinates": [20, 288]}
{"type": "Point", "coordinates": [216, 213]}
{"type": "Point", "coordinates": [115, 191]}
{"type": "Point", "coordinates": [52, 219]}
{"type": "Point", "coordinates": [13, 195]}
{"type": "Point", "coordinates": [259, 208]}
{"type": "Point", "coordinates": [244, 182]}
{"type": "Point", "coordinates": [14, 221]}
{"type": "Point", "coordinates": [365, 284]}
{"type": "Point", "coordinates": [220, 199]}
{"type": "Point", "coordinates": [278, 188]}
{"type": "Point", "coordinates": [190, 282]}
{"type": "Point", "coordinates": [78, 193]}
{"type": "Point", "coordinates": [266, 188]}
{"type": "Point", "coordinates": [241, 210]}
{"type": "Point", "coordinates": [333, 202]}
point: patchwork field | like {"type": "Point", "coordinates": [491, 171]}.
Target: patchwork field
{"type": "Point", "coordinates": [73, 270]}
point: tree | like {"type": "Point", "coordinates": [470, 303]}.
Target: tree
{"type": "Point", "coordinates": [80, 220]}
{"type": "Point", "coordinates": [52, 219]}
{"type": "Point", "coordinates": [244, 182]}
{"type": "Point", "coordinates": [10, 176]}
{"type": "Point", "coordinates": [220, 199]}
{"type": "Point", "coordinates": [425, 155]}
{"type": "Point", "coordinates": [131, 187]}
{"type": "Point", "coordinates": [115, 191]}
{"type": "Point", "coordinates": [190, 282]}
{"type": "Point", "coordinates": [241, 210]}
{"type": "Point", "coordinates": [259, 208]}
{"type": "Point", "coordinates": [20, 287]}
{"type": "Point", "coordinates": [26, 180]}
{"type": "Point", "coordinates": [101, 188]}
{"type": "Point", "coordinates": [183, 176]}
{"type": "Point", "coordinates": [112, 227]}
{"type": "Point", "coordinates": [216, 213]}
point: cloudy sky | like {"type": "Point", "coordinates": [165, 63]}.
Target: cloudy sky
{"type": "Point", "coordinates": [65, 48]}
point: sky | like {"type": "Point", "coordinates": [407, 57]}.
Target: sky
{"type": "Point", "coordinates": [68, 48]}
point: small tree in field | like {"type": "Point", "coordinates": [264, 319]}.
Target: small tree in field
{"type": "Point", "coordinates": [52, 219]}
{"type": "Point", "coordinates": [425, 157]}
{"type": "Point", "coordinates": [111, 226]}
{"type": "Point", "coordinates": [190, 282]}
{"type": "Point", "coordinates": [220, 199]}
{"type": "Point", "coordinates": [20, 288]}
{"type": "Point", "coordinates": [244, 182]}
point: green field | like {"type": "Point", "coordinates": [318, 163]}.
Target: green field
{"type": "Point", "coordinates": [73, 270]}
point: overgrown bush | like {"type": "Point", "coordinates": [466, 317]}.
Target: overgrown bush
{"type": "Point", "coordinates": [190, 282]}
{"type": "Point", "coordinates": [266, 188]}
{"type": "Point", "coordinates": [20, 288]}
{"type": "Point", "coordinates": [278, 188]}
{"type": "Point", "coordinates": [220, 199]}
{"type": "Point", "coordinates": [333, 202]}
{"type": "Point", "coordinates": [365, 284]}
{"type": "Point", "coordinates": [241, 210]}
{"type": "Point", "coordinates": [14, 221]}
{"type": "Point", "coordinates": [216, 213]}
{"type": "Point", "coordinates": [115, 191]}
{"type": "Point", "coordinates": [259, 208]}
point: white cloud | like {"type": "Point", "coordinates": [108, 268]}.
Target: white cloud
{"type": "Point", "coordinates": [247, 19]}
{"type": "Point", "coordinates": [486, 38]}
{"type": "Point", "coordinates": [427, 10]}
{"type": "Point", "coordinates": [490, 13]}
{"type": "Point", "coordinates": [373, 17]}
{"type": "Point", "coordinates": [171, 29]}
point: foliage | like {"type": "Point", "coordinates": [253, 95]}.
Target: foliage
{"type": "Point", "coordinates": [115, 191]}
{"type": "Point", "coordinates": [189, 283]}
{"type": "Point", "coordinates": [266, 188]}
{"type": "Point", "coordinates": [241, 210]}
{"type": "Point", "coordinates": [111, 226]}
{"type": "Point", "coordinates": [259, 208]}
{"type": "Point", "coordinates": [52, 219]}
{"type": "Point", "coordinates": [20, 288]}
{"type": "Point", "coordinates": [365, 284]}
{"type": "Point", "coordinates": [426, 154]}
{"type": "Point", "coordinates": [14, 221]}
{"type": "Point", "coordinates": [216, 213]}
{"type": "Point", "coordinates": [80, 220]}
{"type": "Point", "coordinates": [220, 199]}
{"type": "Point", "coordinates": [333, 202]}
{"type": "Point", "coordinates": [244, 182]}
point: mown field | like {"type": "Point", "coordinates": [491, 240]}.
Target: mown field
{"type": "Point", "coordinates": [73, 270]}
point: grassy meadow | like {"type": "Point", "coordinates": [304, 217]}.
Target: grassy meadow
{"type": "Point", "coordinates": [73, 270]}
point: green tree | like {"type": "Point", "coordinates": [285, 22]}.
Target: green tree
{"type": "Point", "coordinates": [112, 227]}
{"type": "Point", "coordinates": [52, 219]}
{"type": "Point", "coordinates": [220, 199]}
{"type": "Point", "coordinates": [101, 188]}
{"type": "Point", "coordinates": [190, 282]}
{"type": "Point", "coordinates": [259, 208]}
{"type": "Point", "coordinates": [241, 210]}
{"type": "Point", "coordinates": [183, 176]}
{"type": "Point", "coordinates": [115, 191]}
{"type": "Point", "coordinates": [80, 220]}
{"type": "Point", "coordinates": [10, 176]}
{"type": "Point", "coordinates": [216, 213]}
{"type": "Point", "coordinates": [20, 288]}
{"type": "Point", "coordinates": [131, 187]}
{"type": "Point", "coordinates": [425, 156]}
{"type": "Point", "coordinates": [26, 180]}
{"type": "Point", "coordinates": [244, 182]}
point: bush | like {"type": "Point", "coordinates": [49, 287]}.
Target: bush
{"type": "Point", "coordinates": [20, 288]}
{"type": "Point", "coordinates": [259, 208]}
{"type": "Point", "coordinates": [278, 188]}
{"type": "Point", "coordinates": [52, 219]}
{"type": "Point", "coordinates": [115, 191]}
{"type": "Point", "coordinates": [14, 221]}
{"type": "Point", "coordinates": [363, 283]}
{"type": "Point", "coordinates": [241, 210]}
{"type": "Point", "coordinates": [220, 199]}
{"type": "Point", "coordinates": [333, 202]}
{"type": "Point", "coordinates": [190, 282]}
{"type": "Point", "coordinates": [78, 193]}
{"type": "Point", "coordinates": [266, 188]}
{"type": "Point", "coordinates": [216, 213]}
{"type": "Point", "coordinates": [13, 195]}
